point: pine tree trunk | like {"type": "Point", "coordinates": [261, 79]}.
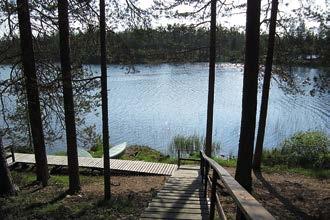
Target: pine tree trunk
{"type": "Point", "coordinates": [104, 94]}
{"type": "Point", "coordinates": [71, 136]}
{"type": "Point", "coordinates": [7, 187]}
{"type": "Point", "coordinates": [32, 91]}
{"type": "Point", "coordinates": [249, 102]}
{"type": "Point", "coordinates": [210, 101]}
{"type": "Point", "coordinates": [265, 88]}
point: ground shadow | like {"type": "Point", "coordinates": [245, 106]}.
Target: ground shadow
{"type": "Point", "coordinates": [43, 204]}
{"type": "Point", "coordinates": [286, 201]}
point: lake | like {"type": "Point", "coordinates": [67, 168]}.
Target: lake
{"type": "Point", "coordinates": [158, 102]}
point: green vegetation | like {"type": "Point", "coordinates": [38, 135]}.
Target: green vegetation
{"type": "Point", "coordinates": [182, 43]}
{"type": "Point", "coordinates": [145, 153]}
{"type": "Point", "coordinates": [316, 173]}
{"type": "Point", "coordinates": [24, 149]}
{"type": "Point", "coordinates": [190, 144]}
{"type": "Point", "coordinates": [304, 153]}
{"type": "Point", "coordinates": [225, 162]}
{"type": "Point", "coordinates": [303, 149]}
{"type": "Point", "coordinates": [60, 153]}
{"type": "Point", "coordinates": [97, 149]}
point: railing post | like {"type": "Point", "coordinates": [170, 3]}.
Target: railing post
{"type": "Point", "coordinates": [12, 153]}
{"type": "Point", "coordinates": [213, 194]}
{"type": "Point", "coordinates": [201, 165]}
{"type": "Point", "coordinates": [179, 158]}
{"type": "Point", "coordinates": [205, 177]}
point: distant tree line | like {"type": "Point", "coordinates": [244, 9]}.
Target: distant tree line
{"type": "Point", "coordinates": [182, 43]}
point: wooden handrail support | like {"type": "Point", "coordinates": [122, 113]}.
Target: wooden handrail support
{"type": "Point", "coordinates": [12, 154]}
{"type": "Point", "coordinates": [186, 159]}
{"type": "Point", "coordinates": [248, 205]}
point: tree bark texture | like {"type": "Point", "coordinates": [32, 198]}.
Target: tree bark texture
{"type": "Point", "coordinates": [32, 91]}
{"type": "Point", "coordinates": [250, 89]}
{"type": "Point", "coordinates": [70, 126]}
{"type": "Point", "coordinates": [104, 94]}
{"type": "Point", "coordinates": [7, 187]}
{"type": "Point", "coordinates": [210, 101]}
{"type": "Point", "coordinates": [265, 87]}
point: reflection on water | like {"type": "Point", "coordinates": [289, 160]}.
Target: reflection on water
{"type": "Point", "coordinates": [158, 102]}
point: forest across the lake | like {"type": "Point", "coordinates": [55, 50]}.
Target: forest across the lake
{"type": "Point", "coordinates": [180, 43]}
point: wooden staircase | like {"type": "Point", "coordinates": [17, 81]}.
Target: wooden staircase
{"type": "Point", "coordinates": [181, 198]}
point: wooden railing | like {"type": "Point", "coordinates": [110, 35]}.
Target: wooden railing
{"type": "Point", "coordinates": [9, 151]}
{"type": "Point", "coordinates": [245, 202]}
{"type": "Point", "coordinates": [185, 159]}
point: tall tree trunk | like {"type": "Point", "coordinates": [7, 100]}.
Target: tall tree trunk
{"type": "Point", "coordinates": [70, 125]}
{"type": "Point", "coordinates": [265, 88]}
{"type": "Point", "coordinates": [210, 101]}
{"type": "Point", "coordinates": [104, 94]}
{"type": "Point", "coordinates": [7, 187]}
{"type": "Point", "coordinates": [250, 89]}
{"type": "Point", "coordinates": [32, 91]}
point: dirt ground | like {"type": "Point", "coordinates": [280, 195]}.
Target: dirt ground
{"type": "Point", "coordinates": [290, 196]}
{"type": "Point", "coordinates": [121, 185]}
{"type": "Point", "coordinates": [130, 195]}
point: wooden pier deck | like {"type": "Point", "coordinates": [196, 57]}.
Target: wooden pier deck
{"type": "Point", "coordinates": [180, 198]}
{"type": "Point", "coordinates": [97, 163]}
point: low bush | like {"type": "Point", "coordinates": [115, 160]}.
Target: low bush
{"type": "Point", "coordinates": [97, 149]}
{"type": "Point", "coordinates": [145, 153]}
{"type": "Point", "coordinates": [26, 149]}
{"type": "Point", "coordinates": [303, 149]}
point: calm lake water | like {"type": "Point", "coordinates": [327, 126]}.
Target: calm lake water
{"type": "Point", "coordinates": [158, 102]}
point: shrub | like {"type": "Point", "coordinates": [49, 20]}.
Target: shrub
{"type": "Point", "coordinates": [97, 149]}
{"type": "Point", "coordinates": [303, 149]}
{"type": "Point", "coordinates": [145, 153]}
{"type": "Point", "coordinates": [26, 149]}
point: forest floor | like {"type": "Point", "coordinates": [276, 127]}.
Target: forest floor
{"type": "Point", "coordinates": [285, 195]}
{"type": "Point", "coordinates": [130, 195]}
{"type": "Point", "coordinates": [288, 195]}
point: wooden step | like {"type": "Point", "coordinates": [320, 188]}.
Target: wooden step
{"type": "Point", "coordinates": [178, 205]}
{"type": "Point", "coordinates": [179, 201]}
{"type": "Point", "coordinates": [181, 195]}
{"type": "Point", "coordinates": [177, 210]}
{"type": "Point", "coordinates": [173, 216]}
{"type": "Point", "coordinates": [187, 191]}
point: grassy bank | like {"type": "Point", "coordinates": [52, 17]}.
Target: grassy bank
{"type": "Point", "coordinates": [305, 153]}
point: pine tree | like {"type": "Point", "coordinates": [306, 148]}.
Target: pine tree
{"type": "Point", "coordinates": [265, 88]}
{"type": "Point", "coordinates": [7, 187]}
{"type": "Point", "coordinates": [70, 125]}
{"type": "Point", "coordinates": [32, 91]}
{"type": "Point", "coordinates": [104, 93]}
{"type": "Point", "coordinates": [210, 103]}
{"type": "Point", "coordinates": [250, 89]}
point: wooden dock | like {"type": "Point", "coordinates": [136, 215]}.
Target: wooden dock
{"type": "Point", "coordinates": [97, 163]}
{"type": "Point", "coordinates": [180, 198]}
